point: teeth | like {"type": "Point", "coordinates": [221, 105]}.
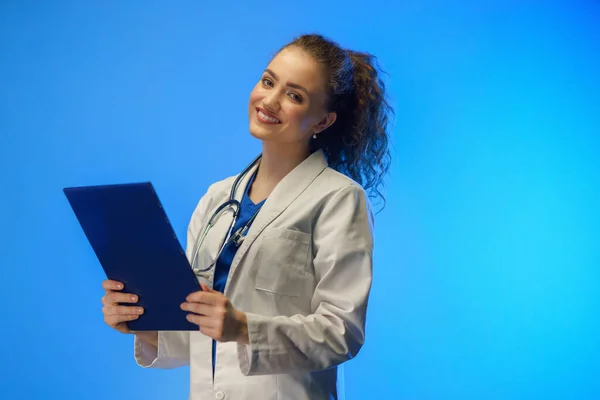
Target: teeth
{"type": "Point", "coordinates": [267, 118]}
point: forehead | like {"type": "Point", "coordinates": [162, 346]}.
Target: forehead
{"type": "Point", "coordinates": [294, 65]}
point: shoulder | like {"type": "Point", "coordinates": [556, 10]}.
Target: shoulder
{"type": "Point", "coordinates": [331, 182]}
{"type": "Point", "coordinates": [338, 192]}
{"type": "Point", "coordinates": [337, 178]}
{"type": "Point", "coordinates": [345, 207]}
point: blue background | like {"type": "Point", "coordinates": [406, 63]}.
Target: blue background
{"type": "Point", "coordinates": [487, 255]}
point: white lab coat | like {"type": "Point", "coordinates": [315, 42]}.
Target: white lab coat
{"type": "Point", "coordinates": [302, 276]}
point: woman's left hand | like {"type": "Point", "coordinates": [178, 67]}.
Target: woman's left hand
{"type": "Point", "coordinates": [215, 316]}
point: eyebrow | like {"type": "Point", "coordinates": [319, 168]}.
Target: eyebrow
{"type": "Point", "coordinates": [290, 84]}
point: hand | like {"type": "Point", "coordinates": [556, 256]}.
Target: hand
{"type": "Point", "coordinates": [115, 315]}
{"type": "Point", "coordinates": [215, 316]}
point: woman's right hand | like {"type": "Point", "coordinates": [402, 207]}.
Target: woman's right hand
{"type": "Point", "coordinates": [116, 316]}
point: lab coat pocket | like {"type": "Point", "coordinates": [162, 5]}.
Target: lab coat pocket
{"type": "Point", "coordinates": [282, 261]}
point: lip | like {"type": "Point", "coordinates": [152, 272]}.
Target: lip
{"type": "Point", "coordinates": [269, 114]}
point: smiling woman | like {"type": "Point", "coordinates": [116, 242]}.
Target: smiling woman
{"type": "Point", "coordinates": [309, 85]}
{"type": "Point", "coordinates": [286, 270]}
{"type": "Point", "coordinates": [293, 99]}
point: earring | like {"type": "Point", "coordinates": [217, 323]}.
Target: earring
{"type": "Point", "coordinates": [314, 135]}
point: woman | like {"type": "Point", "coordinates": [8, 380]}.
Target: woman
{"type": "Point", "coordinates": [284, 305]}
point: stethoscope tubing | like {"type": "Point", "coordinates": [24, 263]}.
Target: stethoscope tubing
{"type": "Point", "coordinates": [230, 203]}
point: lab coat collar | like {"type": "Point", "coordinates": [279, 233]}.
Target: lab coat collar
{"type": "Point", "coordinates": [286, 191]}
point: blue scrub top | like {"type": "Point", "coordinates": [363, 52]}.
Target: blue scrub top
{"type": "Point", "coordinates": [247, 210]}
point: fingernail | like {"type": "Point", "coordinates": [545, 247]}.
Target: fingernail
{"type": "Point", "coordinates": [133, 298]}
{"type": "Point", "coordinates": [139, 310]}
{"type": "Point", "coordinates": [119, 286]}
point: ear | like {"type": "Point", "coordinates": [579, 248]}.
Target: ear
{"type": "Point", "coordinates": [325, 122]}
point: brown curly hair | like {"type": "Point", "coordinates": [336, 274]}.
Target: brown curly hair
{"type": "Point", "coordinates": [357, 143]}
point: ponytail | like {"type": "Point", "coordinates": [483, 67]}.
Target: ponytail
{"type": "Point", "coordinates": [357, 143]}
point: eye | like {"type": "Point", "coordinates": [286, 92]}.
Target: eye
{"type": "Point", "coordinates": [296, 97]}
{"type": "Point", "coordinates": [267, 82]}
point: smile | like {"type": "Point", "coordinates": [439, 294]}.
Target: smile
{"type": "Point", "coordinates": [263, 117]}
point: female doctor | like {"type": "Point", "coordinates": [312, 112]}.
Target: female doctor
{"type": "Point", "coordinates": [286, 275]}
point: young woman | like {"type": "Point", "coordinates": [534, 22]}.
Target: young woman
{"type": "Point", "coordinates": [286, 282]}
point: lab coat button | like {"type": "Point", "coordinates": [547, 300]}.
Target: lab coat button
{"type": "Point", "coordinates": [220, 395]}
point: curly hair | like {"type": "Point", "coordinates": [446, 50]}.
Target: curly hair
{"type": "Point", "coordinates": [357, 143]}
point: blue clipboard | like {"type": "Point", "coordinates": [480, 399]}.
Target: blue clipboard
{"type": "Point", "coordinates": [132, 237]}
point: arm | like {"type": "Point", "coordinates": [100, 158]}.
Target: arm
{"type": "Point", "coordinates": [334, 332]}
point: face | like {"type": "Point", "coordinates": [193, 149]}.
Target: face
{"type": "Point", "coordinates": [287, 105]}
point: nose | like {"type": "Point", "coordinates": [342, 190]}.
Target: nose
{"type": "Point", "coordinates": [271, 101]}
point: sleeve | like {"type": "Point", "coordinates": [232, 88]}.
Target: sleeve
{"type": "Point", "coordinates": [174, 347]}
{"type": "Point", "coordinates": [335, 331]}
{"type": "Point", "coordinates": [173, 351]}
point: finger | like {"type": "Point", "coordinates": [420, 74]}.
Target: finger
{"type": "Point", "coordinates": [106, 298]}
{"type": "Point", "coordinates": [114, 320]}
{"type": "Point", "coordinates": [203, 321]}
{"type": "Point", "coordinates": [118, 297]}
{"type": "Point", "coordinates": [211, 333]}
{"type": "Point", "coordinates": [205, 288]}
{"type": "Point", "coordinates": [203, 297]}
{"type": "Point", "coordinates": [195, 297]}
{"type": "Point", "coordinates": [122, 310]}
{"type": "Point", "coordinates": [214, 333]}
{"type": "Point", "coordinates": [208, 332]}
{"type": "Point", "coordinates": [109, 284]}
{"type": "Point", "coordinates": [198, 308]}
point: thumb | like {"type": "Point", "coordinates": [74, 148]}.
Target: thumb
{"type": "Point", "coordinates": [205, 288]}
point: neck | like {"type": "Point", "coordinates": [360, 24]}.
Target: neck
{"type": "Point", "coordinates": [277, 161]}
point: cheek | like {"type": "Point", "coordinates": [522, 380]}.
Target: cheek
{"type": "Point", "coordinates": [294, 115]}
{"type": "Point", "coordinates": [255, 95]}
{"type": "Point", "coordinates": [299, 117]}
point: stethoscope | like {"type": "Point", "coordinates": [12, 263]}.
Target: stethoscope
{"type": "Point", "coordinates": [232, 204]}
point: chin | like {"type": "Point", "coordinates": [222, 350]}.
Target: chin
{"type": "Point", "coordinates": [259, 134]}
{"type": "Point", "coordinates": [255, 134]}
{"type": "Point", "coordinates": [261, 131]}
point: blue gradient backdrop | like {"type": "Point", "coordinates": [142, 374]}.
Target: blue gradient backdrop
{"type": "Point", "coordinates": [487, 258]}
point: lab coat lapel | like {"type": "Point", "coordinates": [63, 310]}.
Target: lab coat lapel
{"type": "Point", "coordinates": [280, 198]}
